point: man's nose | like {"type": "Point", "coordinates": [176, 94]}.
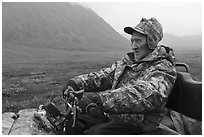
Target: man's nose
{"type": "Point", "coordinates": [134, 45]}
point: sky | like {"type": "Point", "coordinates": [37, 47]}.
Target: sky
{"type": "Point", "coordinates": [178, 18]}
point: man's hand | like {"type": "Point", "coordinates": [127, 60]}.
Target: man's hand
{"type": "Point", "coordinates": [69, 92]}
{"type": "Point", "coordinates": [90, 106]}
{"type": "Point", "coordinates": [95, 98]}
{"type": "Point", "coordinates": [90, 100]}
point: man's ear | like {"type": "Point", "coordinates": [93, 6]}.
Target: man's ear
{"type": "Point", "coordinates": [151, 42]}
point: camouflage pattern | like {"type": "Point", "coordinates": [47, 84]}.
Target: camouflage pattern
{"type": "Point", "coordinates": [134, 91]}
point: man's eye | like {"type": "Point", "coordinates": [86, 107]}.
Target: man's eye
{"type": "Point", "coordinates": [136, 40]}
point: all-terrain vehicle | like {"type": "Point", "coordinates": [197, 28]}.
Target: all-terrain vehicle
{"type": "Point", "coordinates": [185, 99]}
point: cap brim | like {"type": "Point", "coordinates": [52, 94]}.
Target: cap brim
{"type": "Point", "coordinates": [130, 30]}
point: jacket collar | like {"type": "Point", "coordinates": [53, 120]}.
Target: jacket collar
{"type": "Point", "coordinates": [159, 52]}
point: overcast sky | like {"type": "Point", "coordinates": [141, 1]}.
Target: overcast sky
{"type": "Point", "coordinates": [178, 18]}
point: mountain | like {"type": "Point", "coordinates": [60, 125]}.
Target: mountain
{"type": "Point", "coordinates": [49, 31]}
{"type": "Point", "coordinates": [43, 30]}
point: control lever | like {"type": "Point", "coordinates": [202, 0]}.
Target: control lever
{"type": "Point", "coordinates": [74, 110]}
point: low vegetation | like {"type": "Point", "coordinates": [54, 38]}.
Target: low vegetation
{"type": "Point", "coordinates": [27, 85]}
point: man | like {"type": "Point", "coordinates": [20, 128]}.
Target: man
{"type": "Point", "coordinates": [132, 93]}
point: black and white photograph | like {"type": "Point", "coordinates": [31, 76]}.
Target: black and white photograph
{"type": "Point", "coordinates": [101, 68]}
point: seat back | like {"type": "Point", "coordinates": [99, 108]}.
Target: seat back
{"type": "Point", "coordinates": [186, 97]}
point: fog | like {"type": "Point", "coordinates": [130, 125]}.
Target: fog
{"type": "Point", "coordinates": [178, 18]}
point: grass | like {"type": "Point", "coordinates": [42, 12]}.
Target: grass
{"type": "Point", "coordinates": [28, 85]}
{"type": "Point", "coordinates": [194, 59]}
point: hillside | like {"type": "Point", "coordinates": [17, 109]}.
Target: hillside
{"type": "Point", "coordinates": [32, 30]}
{"type": "Point", "coordinates": [58, 31]}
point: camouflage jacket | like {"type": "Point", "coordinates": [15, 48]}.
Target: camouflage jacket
{"type": "Point", "coordinates": [134, 91]}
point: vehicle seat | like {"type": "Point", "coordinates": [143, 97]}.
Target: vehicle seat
{"type": "Point", "coordinates": [186, 97]}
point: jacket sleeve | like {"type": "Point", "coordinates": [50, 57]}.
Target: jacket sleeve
{"type": "Point", "coordinates": [144, 94]}
{"type": "Point", "coordinates": [94, 81]}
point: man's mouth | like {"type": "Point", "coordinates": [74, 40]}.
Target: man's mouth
{"type": "Point", "coordinates": [135, 50]}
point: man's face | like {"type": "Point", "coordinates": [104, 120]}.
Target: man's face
{"type": "Point", "coordinates": [139, 45]}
